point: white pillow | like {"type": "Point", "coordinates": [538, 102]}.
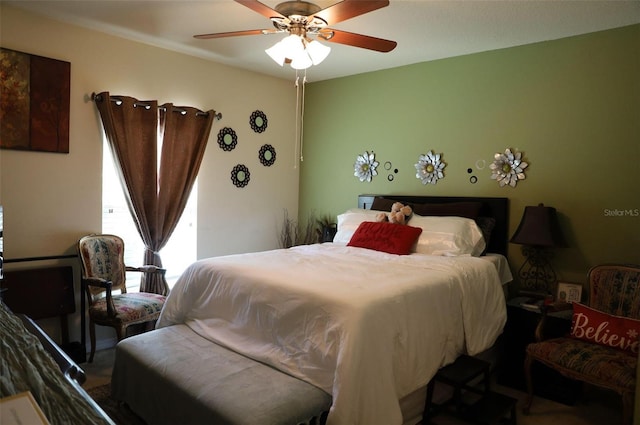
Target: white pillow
{"type": "Point", "coordinates": [449, 236]}
{"type": "Point", "coordinates": [349, 221]}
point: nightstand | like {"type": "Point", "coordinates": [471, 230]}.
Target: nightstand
{"type": "Point", "coordinates": [518, 333]}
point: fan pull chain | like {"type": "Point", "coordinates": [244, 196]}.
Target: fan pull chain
{"type": "Point", "coordinates": [299, 118]}
{"type": "Point", "coordinates": [297, 136]}
{"type": "Point", "coordinates": [304, 82]}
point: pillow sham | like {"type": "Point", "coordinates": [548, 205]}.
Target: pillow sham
{"type": "Point", "coordinates": [486, 225]}
{"type": "Point", "coordinates": [385, 237]}
{"type": "Point", "coordinates": [448, 236]}
{"type": "Point", "coordinates": [598, 327]}
{"type": "Point", "coordinates": [349, 221]}
{"type": "Point", "coordinates": [453, 209]}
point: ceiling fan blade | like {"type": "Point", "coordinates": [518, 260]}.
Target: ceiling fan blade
{"type": "Point", "coordinates": [348, 9]}
{"type": "Point", "coordinates": [261, 8]}
{"type": "Point", "coordinates": [232, 34]}
{"type": "Point", "coordinates": [357, 40]}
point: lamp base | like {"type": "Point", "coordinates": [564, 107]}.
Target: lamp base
{"type": "Point", "coordinates": [537, 274]}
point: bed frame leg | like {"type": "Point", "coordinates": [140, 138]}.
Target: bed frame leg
{"type": "Point", "coordinates": [428, 405]}
{"type": "Point", "coordinates": [527, 374]}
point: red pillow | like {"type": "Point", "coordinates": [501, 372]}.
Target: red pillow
{"type": "Point", "coordinates": [386, 237]}
{"type": "Point", "coordinates": [601, 328]}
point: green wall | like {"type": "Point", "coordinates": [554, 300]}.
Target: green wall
{"type": "Point", "coordinates": [572, 106]}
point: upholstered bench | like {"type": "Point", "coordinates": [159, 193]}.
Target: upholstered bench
{"type": "Point", "coordinates": [172, 375]}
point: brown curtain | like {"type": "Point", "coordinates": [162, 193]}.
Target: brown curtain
{"type": "Point", "coordinates": [156, 196]}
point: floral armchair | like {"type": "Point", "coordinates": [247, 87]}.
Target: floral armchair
{"type": "Point", "coordinates": [602, 349]}
{"type": "Point", "coordinates": [103, 282]}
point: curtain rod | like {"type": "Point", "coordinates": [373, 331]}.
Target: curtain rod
{"type": "Point", "coordinates": [97, 97]}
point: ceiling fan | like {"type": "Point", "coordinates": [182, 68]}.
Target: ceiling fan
{"type": "Point", "coordinates": [302, 19]}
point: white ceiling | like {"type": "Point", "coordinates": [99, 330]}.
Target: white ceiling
{"type": "Point", "coordinates": [424, 29]}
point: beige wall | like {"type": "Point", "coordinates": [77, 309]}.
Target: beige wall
{"type": "Point", "coordinates": [571, 105]}
{"type": "Point", "coordinates": [50, 200]}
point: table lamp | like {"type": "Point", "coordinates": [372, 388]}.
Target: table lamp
{"type": "Point", "coordinates": [538, 232]}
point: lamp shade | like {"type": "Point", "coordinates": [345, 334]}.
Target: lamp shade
{"type": "Point", "coordinates": [317, 51]}
{"type": "Point", "coordinates": [539, 227]}
{"type": "Point", "coordinates": [301, 61]}
{"type": "Point", "coordinates": [277, 52]}
{"type": "Point", "coordinates": [293, 45]}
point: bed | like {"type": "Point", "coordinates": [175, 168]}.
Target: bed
{"type": "Point", "coordinates": [367, 326]}
{"type": "Point", "coordinates": [32, 363]}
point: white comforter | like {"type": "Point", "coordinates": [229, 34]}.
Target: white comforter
{"type": "Point", "coordinates": [365, 326]}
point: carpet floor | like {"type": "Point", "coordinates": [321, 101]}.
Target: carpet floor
{"type": "Point", "coordinates": [549, 413]}
{"type": "Point", "coordinates": [118, 412]}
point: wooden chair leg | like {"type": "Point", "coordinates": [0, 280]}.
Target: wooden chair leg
{"type": "Point", "coordinates": [120, 332]}
{"type": "Point", "coordinates": [527, 374]}
{"type": "Point", "coordinates": [627, 408]}
{"type": "Point", "coordinates": [92, 338]}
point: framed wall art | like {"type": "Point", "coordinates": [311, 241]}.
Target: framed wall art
{"type": "Point", "coordinates": [258, 121]}
{"type": "Point", "coordinates": [569, 292]}
{"type": "Point", "coordinates": [227, 139]}
{"type": "Point", "coordinates": [34, 105]}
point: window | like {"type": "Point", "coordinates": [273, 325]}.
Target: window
{"type": "Point", "coordinates": [179, 252]}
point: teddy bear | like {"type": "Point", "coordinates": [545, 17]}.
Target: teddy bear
{"type": "Point", "coordinates": [399, 214]}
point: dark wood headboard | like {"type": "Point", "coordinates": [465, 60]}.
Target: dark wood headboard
{"type": "Point", "coordinates": [498, 208]}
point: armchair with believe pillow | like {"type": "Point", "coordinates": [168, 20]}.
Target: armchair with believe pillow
{"type": "Point", "coordinates": [602, 348]}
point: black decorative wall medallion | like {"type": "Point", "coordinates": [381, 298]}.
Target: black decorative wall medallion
{"type": "Point", "coordinates": [227, 139]}
{"type": "Point", "coordinates": [240, 175]}
{"type": "Point", "coordinates": [258, 121]}
{"type": "Point", "coordinates": [267, 155]}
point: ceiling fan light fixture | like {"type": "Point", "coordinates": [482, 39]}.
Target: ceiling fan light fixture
{"type": "Point", "coordinates": [301, 52]}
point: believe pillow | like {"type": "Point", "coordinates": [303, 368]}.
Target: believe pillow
{"type": "Point", "coordinates": [385, 237]}
{"type": "Point", "coordinates": [601, 328]}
